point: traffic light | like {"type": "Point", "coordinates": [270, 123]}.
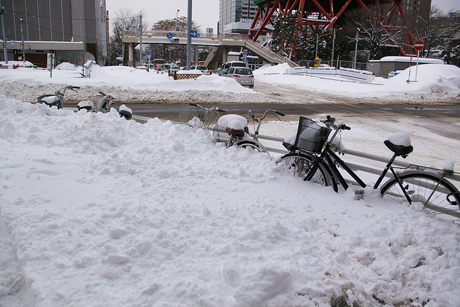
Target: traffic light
{"type": "Point", "coordinates": [174, 39]}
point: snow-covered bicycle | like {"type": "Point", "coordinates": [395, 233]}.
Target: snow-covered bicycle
{"type": "Point", "coordinates": [233, 129]}
{"type": "Point", "coordinates": [56, 99]}
{"type": "Point", "coordinates": [104, 104]}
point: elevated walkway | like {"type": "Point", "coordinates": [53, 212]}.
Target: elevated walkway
{"type": "Point", "coordinates": [220, 44]}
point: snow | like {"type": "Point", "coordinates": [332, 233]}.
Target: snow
{"type": "Point", "coordinates": [232, 121]}
{"type": "Point", "coordinates": [97, 210]}
{"type": "Point", "coordinates": [400, 139]}
{"type": "Point", "coordinates": [408, 59]}
{"type": "Point", "coordinates": [435, 82]}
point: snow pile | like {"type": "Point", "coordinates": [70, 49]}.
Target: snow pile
{"type": "Point", "coordinates": [102, 211]}
{"type": "Point", "coordinates": [128, 84]}
{"type": "Point", "coordinates": [435, 83]}
{"type": "Point", "coordinates": [66, 66]}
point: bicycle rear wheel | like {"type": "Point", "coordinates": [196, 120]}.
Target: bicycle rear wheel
{"type": "Point", "coordinates": [436, 193]}
{"type": "Point", "coordinates": [252, 145]}
{"type": "Point", "coordinates": [299, 164]}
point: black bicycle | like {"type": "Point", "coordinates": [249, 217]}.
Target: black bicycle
{"type": "Point", "coordinates": [312, 156]}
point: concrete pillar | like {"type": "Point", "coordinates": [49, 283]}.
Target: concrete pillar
{"type": "Point", "coordinates": [196, 54]}
{"type": "Point", "coordinates": [131, 55]}
{"type": "Point", "coordinates": [224, 55]}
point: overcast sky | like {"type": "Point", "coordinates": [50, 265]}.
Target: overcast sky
{"type": "Point", "coordinates": [204, 12]}
{"type": "Point", "coordinates": [446, 5]}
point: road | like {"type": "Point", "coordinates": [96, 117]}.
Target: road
{"type": "Point", "coordinates": [165, 111]}
{"type": "Point", "coordinates": [442, 119]}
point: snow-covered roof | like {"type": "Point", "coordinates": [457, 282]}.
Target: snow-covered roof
{"type": "Point", "coordinates": [407, 59]}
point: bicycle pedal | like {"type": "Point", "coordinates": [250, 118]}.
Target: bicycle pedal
{"type": "Point", "coordinates": [359, 194]}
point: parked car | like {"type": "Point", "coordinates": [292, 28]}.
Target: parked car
{"type": "Point", "coordinates": [243, 75]}
{"type": "Point", "coordinates": [158, 64]}
{"type": "Point", "coordinates": [227, 65]}
{"type": "Point", "coordinates": [174, 67]}
{"type": "Point", "coordinates": [203, 69]}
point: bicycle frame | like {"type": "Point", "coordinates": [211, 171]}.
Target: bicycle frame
{"type": "Point", "coordinates": [329, 156]}
{"type": "Point", "coordinates": [331, 159]}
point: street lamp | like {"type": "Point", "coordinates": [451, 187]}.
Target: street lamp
{"type": "Point", "coordinates": [356, 47]}
{"type": "Point", "coordinates": [177, 14]}
{"type": "Point", "coordinates": [189, 39]}
{"type": "Point", "coordinates": [21, 21]}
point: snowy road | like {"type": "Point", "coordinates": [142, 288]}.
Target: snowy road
{"type": "Point", "coordinates": [440, 119]}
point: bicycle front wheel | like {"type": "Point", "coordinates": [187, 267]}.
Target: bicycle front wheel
{"type": "Point", "coordinates": [300, 164]}
{"type": "Point", "coordinates": [435, 193]}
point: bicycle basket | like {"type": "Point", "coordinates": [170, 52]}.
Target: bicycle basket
{"type": "Point", "coordinates": [311, 136]}
{"type": "Point", "coordinates": [197, 116]}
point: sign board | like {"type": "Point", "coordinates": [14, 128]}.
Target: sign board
{"type": "Point", "coordinates": [169, 35]}
{"type": "Point", "coordinates": [193, 33]}
{"type": "Point", "coordinates": [245, 51]}
{"type": "Point", "coordinates": [419, 45]}
{"type": "Point", "coordinates": [50, 61]}
{"type": "Point", "coordinates": [149, 51]}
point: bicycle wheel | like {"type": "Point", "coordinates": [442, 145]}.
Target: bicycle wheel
{"type": "Point", "coordinates": [299, 165]}
{"type": "Point", "coordinates": [251, 145]}
{"type": "Point", "coordinates": [436, 194]}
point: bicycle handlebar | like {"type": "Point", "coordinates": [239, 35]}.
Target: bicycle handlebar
{"type": "Point", "coordinates": [330, 122]}
{"type": "Point", "coordinates": [251, 114]}
{"type": "Point", "coordinates": [202, 107]}
{"type": "Point", "coordinates": [279, 113]}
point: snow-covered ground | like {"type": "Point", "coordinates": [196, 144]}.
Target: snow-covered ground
{"type": "Point", "coordinates": [435, 83]}
{"type": "Point", "coordinates": [100, 211]}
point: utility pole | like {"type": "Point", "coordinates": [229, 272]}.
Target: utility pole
{"type": "Point", "coordinates": [5, 50]}
{"type": "Point", "coordinates": [21, 21]}
{"type": "Point", "coordinates": [316, 50]}
{"type": "Point", "coordinates": [333, 46]}
{"type": "Point", "coordinates": [189, 38]}
{"type": "Point", "coordinates": [356, 48]}
{"type": "Point", "coordinates": [140, 41]}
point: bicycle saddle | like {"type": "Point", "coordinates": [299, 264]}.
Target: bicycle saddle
{"type": "Point", "coordinates": [399, 150]}
{"type": "Point", "coordinates": [233, 124]}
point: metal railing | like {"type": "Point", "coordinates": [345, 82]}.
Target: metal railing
{"type": "Point", "coordinates": [353, 166]}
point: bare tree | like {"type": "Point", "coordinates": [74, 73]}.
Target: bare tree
{"type": "Point", "coordinates": [172, 52]}
{"type": "Point", "coordinates": [372, 34]}
{"type": "Point", "coordinates": [177, 24]}
{"type": "Point", "coordinates": [437, 31]}
{"type": "Point", "coordinates": [124, 22]}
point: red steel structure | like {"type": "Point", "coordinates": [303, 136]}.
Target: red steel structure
{"type": "Point", "coordinates": [325, 13]}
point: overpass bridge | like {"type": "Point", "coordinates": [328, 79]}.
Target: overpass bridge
{"type": "Point", "coordinates": [220, 45]}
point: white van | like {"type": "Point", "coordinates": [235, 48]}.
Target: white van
{"type": "Point", "coordinates": [227, 65]}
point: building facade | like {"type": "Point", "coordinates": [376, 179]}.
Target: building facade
{"type": "Point", "coordinates": [63, 21]}
{"type": "Point", "coordinates": [235, 11]}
